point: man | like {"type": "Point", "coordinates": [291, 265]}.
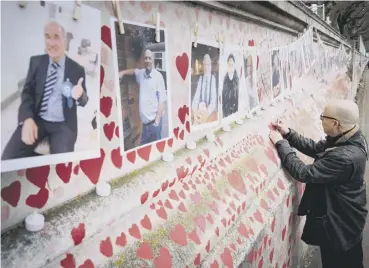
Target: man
{"type": "Point", "coordinates": [335, 197]}
{"type": "Point", "coordinates": [152, 98]}
{"type": "Point", "coordinates": [45, 111]}
{"type": "Point", "coordinates": [204, 102]}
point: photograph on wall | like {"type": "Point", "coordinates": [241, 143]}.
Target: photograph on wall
{"type": "Point", "coordinates": [284, 69]}
{"type": "Point", "coordinates": [310, 47]}
{"type": "Point", "coordinates": [249, 93]}
{"type": "Point", "coordinates": [276, 73]}
{"type": "Point", "coordinates": [299, 60]}
{"type": "Point", "coordinates": [230, 71]}
{"type": "Point", "coordinates": [204, 83]}
{"type": "Point", "coordinates": [50, 85]}
{"type": "Point", "coordinates": [142, 76]}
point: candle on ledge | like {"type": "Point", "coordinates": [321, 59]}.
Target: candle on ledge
{"type": "Point", "coordinates": [103, 188]}
{"type": "Point", "coordinates": [35, 222]}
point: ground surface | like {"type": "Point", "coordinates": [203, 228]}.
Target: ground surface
{"type": "Point", "coordinates": [312, 259]}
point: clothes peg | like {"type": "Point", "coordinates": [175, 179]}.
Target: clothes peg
{"type": "Point", "coordinates": [118, 14]}
{"type": "Point", "coordinates": [220, 40]}
{"type": "Point", "coordinates": [77, 9]}
{"type": "Point", "coordinates": [195, 32]}
{"type": "Point", "coordinates": [22, 4]}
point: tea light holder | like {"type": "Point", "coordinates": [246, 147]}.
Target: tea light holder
{"type": "Point", "coordinates": [190, 144]}
{"type": "Point", "coordinates": [226, 128]}
{"type": "Point", "coordinates": [35, 222]}
{"type": "Point", "coordinates": [210, 136]}
{"type": "Point", "coordinates": [103, 189]}
{"type": "Point", "coordinates": [167, 157]}
{"type": "Point", "coordinates": [239, 121]}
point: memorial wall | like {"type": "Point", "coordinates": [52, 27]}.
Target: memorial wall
{"type": "Point", "coordinates": [140, 131]}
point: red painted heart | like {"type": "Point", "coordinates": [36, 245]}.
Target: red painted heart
{"type": "Point", "coordinates": [121, 240]}
{"type": "Point", "coordinates": [182, 113]}
{"type": "Point", "coordinates": [117, 132]}
{"type": "Point", "coordinates": [11, 193]}
{"type": "Point", "coordinates": [64, 171]}
{"type": "Point", "coordinates": [182, 63]}
{"type": "Point", "coordinates": [194, 237]}
{"type": "Point", "coordinates": [87, 264]}
{"type": "Point", "coordinates": [106, 35]}
{"type": "Point", "coordinates": [131, 156]}
{"type": "Point", "coordinates": [134, 231]}
{"type": "Point", "coordinates": [106, 248]}
{"type": "Point", "coordinates": [237, 182]}
{"type": "Point", "coordinates": [160, 146]}
{"type": "Point", "coordinates": [144, 152]}
{"type": "Point", "coordinates": [38, 200]}
{"type": "Point", "coordinates": [116, 158]}
{"type": "Point", "coordinates": [144, 197]}
{"type": "Point", "coordinates": [68, 261]}
{"type": "Point", "coordinates": [145, 252]}
{"type": "Point", "coordinates": [170, 142]}
{"type": "Point", "coordinates": [76, 170]}
{"type": "Point", "coordinates": [178, 235]}
{"type": "Point", "coordinates": [92, 167]}
{"type": "Point", "coordinates": [102, 76]}
{"type": "Point", "coordinates": [38, 175]}
{"type": "Point", "coordinates": [226, 258]}
{"type": "Point", "coordinates": [146, 223]}
{"type": "Point", "coordinates": [109, 130]}
{"type": "Point", "coordinates": [78, 233]}
{"type": "Point", "coordinates": [164, 260]}
{"type": "Point", "coordinates": [106, 104]}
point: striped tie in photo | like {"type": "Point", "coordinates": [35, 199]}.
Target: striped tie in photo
{"type": "Point", "coordinates": [49, 87]}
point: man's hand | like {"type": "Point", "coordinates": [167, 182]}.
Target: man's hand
{"type": "Point", "coordinates": [77, 90]}
{"type": "Point", "coordinates": [157, 122]}
{"type": "Point", "coordinates": [29, 131]}
{"type": "Point", "coordinates": [280, 126]}
{"type": "Point", "coordinates": [122, 73]}
{"type": "Point", "coordinates": [275, 136]}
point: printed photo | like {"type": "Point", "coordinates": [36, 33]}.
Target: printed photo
{"type": "Point", "coordinates": [142, 79]}
{"type": "Point", "coordinates": [251, 100]}
{"type": "Point", "coordinates": [204, 85]}
{"type": "Point", "coordinates": [230, 70]}
{"type": "Point", "coordinates": [305, 53]}
{"type": "Point", "coordinates": [276, 73]}
{"type": "Point", "coordinates": [310, 48]}
{"type": "Point", "coordinates": [284, 68]}
{"type": "Point", "coordinates": [299, 60]}
{"type": "Point", "coordinates": [50, 85]}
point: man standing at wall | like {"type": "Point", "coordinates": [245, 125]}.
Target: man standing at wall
{"type": "Point", "coordinates": [205, 99]}
{"type": "Point", "coordinates": [334, 201]}
{"type": "Point", "coordinates": [45, 111]}
{"type": "Point", "coordinates": [152, 98]}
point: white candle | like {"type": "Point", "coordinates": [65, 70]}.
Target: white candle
{"type": "Point", "coordinates": [35, 222]}
{"type": "Point", "coordinates": [210, 136]}
{"type": "Point", "coordinates": [167, 157]}
{"type": "Point", "coordinates": [190, 144]}
{"type": "Point", "coordinates": [103, 188]}
{"type": "Point", "coordinates": [226, 128]}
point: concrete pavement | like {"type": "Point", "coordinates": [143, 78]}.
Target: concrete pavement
{"type": "Point", "coordinates": [312, 259]}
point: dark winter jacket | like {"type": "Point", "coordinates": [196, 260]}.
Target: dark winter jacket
{"type": "Point", "coordinates": [334, 200]}
{"type": "Point", "coordinates": [230, 95]}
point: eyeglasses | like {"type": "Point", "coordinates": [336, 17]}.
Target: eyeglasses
{"type": "Point", "coordinates": [327, 117]}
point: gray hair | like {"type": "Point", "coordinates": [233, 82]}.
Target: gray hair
{"type": "Point", "coordinates": [64, 33]}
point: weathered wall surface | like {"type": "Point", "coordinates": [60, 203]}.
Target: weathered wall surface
{"type": "Point", "coordinates": [226, 203]}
